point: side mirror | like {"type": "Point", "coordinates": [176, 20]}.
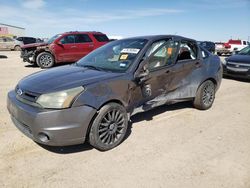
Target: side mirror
{"type": "Point", "coordinates": [142, 76]}
{"type": "Point", "coordinates": [59, 43]}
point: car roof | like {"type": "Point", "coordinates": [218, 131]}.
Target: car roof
{"type": "Point", "coordinates": [158, 37]}
{"type": "Point", "coordinates": [83, 32]}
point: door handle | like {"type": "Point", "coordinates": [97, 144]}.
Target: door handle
{"type": "Point", "coordinates": [167, 71]}
{"type": "Point", "coordinates": [198, 64]}
{"type": "Point", "coordinates": [91, 45]}
{"type": "Point", "coordinates": [73, 47]}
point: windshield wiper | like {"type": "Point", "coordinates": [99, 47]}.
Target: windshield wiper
{"type": "Point", "coordinates": [93, 67]}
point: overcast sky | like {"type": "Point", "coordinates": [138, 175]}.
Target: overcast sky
{"type": "Point", "coordinates": [199, 19]}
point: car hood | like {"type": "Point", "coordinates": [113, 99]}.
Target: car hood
{"type": "Point", "coordinates": [239, 58]}
{"type": "Point", "coordinates": [34, 45]}
{"type": "Point", "coordinates": [61, 78]}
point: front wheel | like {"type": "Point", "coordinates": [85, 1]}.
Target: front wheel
{"type": "Point", "coordinates": [109, 127]}
{"type": "Point", "coordinates": [45, 60]}
{"type": "Point", "coordinates": [205, 95]}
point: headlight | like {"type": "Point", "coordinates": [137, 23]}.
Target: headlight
{"type": "Point", "coordinates": [59, 100]}
{"type": "Point", "coordinates": [224, 62]}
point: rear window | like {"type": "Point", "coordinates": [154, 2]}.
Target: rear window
{"type": "Point", "coordinates": [101, 38]}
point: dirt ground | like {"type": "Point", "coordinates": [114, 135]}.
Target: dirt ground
{"type": "Point", "coordinates": [173, 146]}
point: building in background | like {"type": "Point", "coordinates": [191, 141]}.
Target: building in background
{"type": "Point", "coordinates": [11, 31]}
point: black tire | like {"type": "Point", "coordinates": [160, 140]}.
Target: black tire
{"type": "Point", "coordinates": [218, 53]}
{"type": "Point", "coordinates": [205, 95]}
{"type": "Point", "coordinates": [17, 48]}
{"type": "Point", "coordinates": [109, 127]}
{"type": "Point", "coordinates": [45, 60]}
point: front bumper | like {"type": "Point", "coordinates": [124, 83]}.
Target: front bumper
{"type": "Point", "coordinates": [27, 56]}
{"type": "Point", "coordinates": [243, 73]}
{"type": "Point", "coordinates": [63, 127]}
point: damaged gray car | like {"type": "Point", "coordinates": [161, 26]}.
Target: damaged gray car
{"type": "Point", "coordinates": [93, 99]}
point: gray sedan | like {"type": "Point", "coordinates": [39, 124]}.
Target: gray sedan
{"type": "Point", "coordinates": [93, 99]}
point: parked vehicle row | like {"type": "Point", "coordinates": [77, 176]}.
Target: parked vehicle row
{"type": "Point", "coordinates": [238, 65]}
{"type": "Point", "coordinates": [65, 47]}
{"type": "Point", "coordinates": [93, 99]}
{"type": "Point", "coordinates": [231, 46]}
{"type": "Point", "coordinates": [7, 43]}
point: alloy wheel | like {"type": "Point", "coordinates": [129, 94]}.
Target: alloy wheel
{"type": "Point", "coordinates": [208, 94]}
{"type": "Point", "coordinates": [111, 127]}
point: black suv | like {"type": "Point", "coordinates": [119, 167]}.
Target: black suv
{"type": "Point", "coordinates": [94, 98]}
{"type": "Point", "coordinates": [210, 46]}
{"type": "Point", "coordinates": [27, 40]}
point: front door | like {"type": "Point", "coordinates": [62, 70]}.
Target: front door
{"type": "Point", "coordinates": [66, 50]}
{"type": "Point", "coordinates": [161, 65]}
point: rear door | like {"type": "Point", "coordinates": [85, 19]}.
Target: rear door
{"type": "Point", "coordinates": [189, 72]}
{"type": "Point", "coordinates": [84, 45]}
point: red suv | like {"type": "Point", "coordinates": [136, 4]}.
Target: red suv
{"type": "Point", "coordinates": [66, 47]}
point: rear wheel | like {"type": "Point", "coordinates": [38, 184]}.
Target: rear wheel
{"type": "Point", "coordinates": [205, 95]}
{"type": "Point", "coordinates": [45, 60]}
{"type": "Point", "coordinates": [109, 127]}
{"type": "Point", "coordinates": [17, 48]}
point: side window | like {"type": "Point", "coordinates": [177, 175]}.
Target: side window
{"type": "Point", "coordinates": [101, 38]}
{"type": "Point", "coordinates": [31, 40]}
{"type": "Point", "coordinates": [204, 53]}
{"type": "Point", "coordinates": [164, 53]}
{"type": "Point", "coordinates": [82, 38]}
{"type": "Point", "coordinates": [1, 39]}
{"type": "Point", "coordinates": [244, 43]}
{"type": "Point", "coordinates": [188, 50]}
{"type": "Point", "coordinates": [68, 39]}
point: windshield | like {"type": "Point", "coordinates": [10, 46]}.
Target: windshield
{"type": "Point", "coordinates": [245, 51]}
{"type": "Point", "coordinates": [53, 38]}
{"type": "Point", "coordinates": [115, 56]}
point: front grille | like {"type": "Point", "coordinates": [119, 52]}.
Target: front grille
{"type": "Point", "coordinates": [238, 65]}
{"type": "Point", "coordinates": [27, 95]}
{"type": "Point", "coordinates": [22, 127]}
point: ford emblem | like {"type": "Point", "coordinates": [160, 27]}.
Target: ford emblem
{"type": "Point", "coordinates": [19, 92]}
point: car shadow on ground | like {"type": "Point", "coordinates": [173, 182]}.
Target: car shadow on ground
{"type": "Point", "coordinates": [3, 57]}
{"type": "Point", "coordinates": [237, 79]}
{"type": "Point", "coordinates": [31, 66]}
{"type": "Point", "coordinates": [148, 116]}
{"type": "Point", "coordinates": [67, 149]}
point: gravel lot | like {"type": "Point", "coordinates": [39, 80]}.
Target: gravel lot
{"type": "Point", "coordinates": [171, 146]}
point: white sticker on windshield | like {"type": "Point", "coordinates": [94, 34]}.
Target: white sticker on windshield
{"type": "Point", "coordinates": [130, 50]}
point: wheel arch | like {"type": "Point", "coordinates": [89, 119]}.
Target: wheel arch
{"type": "Point", "coordinates": [97, 111]}
{"type": "Point", "coordinates": [211, 79]}
{"type": "Point", "coordinates": [111, 101]}
{"type": "Point", "coordinates": [41, 51]}
{"type": "Point", "coordinates": [17, 45]}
